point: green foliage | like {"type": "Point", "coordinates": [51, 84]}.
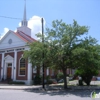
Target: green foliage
{"type": "Point", "coordinates": [87, 72]}
{"type": "Point", "coordinates": [64, 39]}
{"type": "Point", "coordinates": [48, 81]}
{"type": "Point", "coordinates": [60, 75]}
{"type": "Point", "coordinates": [35, 54]}
{"type": "Point", "coordinates": [37, 80]}
{"type": "Point", "coordinates": [48, 77]}
{"type": "Point", "coordinates": [64, 47]}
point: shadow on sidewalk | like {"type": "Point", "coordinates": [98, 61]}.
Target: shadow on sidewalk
{"type": "Point", "coordinates": [58, 90]}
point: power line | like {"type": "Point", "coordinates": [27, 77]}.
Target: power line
{"type": "Point", "coordinates": [10, 17]}
{"type": "Point", "coordinates": [18, 18]}
{"type": "Point", "coordinates": [21, 19]}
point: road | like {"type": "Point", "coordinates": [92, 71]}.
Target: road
{"type": "Point", "coordinates": [45, 95]}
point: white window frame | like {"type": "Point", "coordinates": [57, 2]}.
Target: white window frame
{"type": "Point", "coordinates": [19, 68]}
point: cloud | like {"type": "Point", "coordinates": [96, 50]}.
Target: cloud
{"type": "Point", "coordinates": [35, 25]}
{"type": "Point", "coordinates": [19, 24]}
{"type": "Point", "coordinates": [4, 31]}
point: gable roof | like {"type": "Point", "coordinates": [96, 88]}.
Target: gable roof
{"type": "Point", "coordinates": [21, 35]}
{"type": "Point", "coordinates": [24, 36]}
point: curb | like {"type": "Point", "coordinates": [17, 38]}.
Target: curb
{"type": "Point", "coordinates": [51, 89]}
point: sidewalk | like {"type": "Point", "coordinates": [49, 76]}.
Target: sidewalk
{"type": "Point", "coordinates": [18, 87]}
{"type": "Point", "coordinates": [73, 86]}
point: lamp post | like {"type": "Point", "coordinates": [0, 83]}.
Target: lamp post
{"type": "Point", "coordinates": [43, 84]}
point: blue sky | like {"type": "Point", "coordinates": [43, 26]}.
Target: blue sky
{"type": "Point", "coordinates": [85, 12]}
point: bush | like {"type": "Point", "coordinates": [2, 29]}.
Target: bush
{"type": "Point", "coordinates": [37, 80]}
{"type": "Point", "coordinates": [60, 76]}
{"type": "Point", "coordinates": [48, 80]}
{"type": "Point", "coordinates": [86, 74]}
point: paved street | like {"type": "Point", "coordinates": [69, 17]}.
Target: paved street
{"type": "Point", "coordinates": [54, 92]}
{"type": "Point", "coordinates": [45, 95]}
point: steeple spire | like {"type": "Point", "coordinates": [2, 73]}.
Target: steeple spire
{"type": "Point", "coordinates": [24, 21]}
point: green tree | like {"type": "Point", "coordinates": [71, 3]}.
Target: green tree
{"type": "Point", "coordinates": [87, 59]}
{"type": "Point", "coordinates": [62, 43]}
{"type": "Point", "coordinates": [62, 40]}
{"type": "Point", "coordinates": [35, 54]}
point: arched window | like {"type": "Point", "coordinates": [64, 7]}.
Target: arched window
{"type": "Point", "coordinates": [22, 67]}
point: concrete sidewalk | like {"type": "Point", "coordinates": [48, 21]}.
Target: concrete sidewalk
{"type": "Point", "coordinates": [14, 87]}
{"type": "Point", "coordinates": [72, 85]}
{"type": "Point", "coordinates": [18, 87]}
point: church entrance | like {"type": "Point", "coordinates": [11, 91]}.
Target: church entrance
{"type": "Point", "coordinates": [9, 70]}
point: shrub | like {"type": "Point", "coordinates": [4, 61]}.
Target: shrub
{"type": "Point", "coordinates": [86, 74]}
{"type": "Point", "coordinates": [37, 80]}
{"type": "Point", "coordinates": [60, 75]}
{"type": "Point", "coordinates": [48, 80]}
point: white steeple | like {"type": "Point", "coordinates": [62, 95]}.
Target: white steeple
{"type": "Point", "coordinates": [24, 21]}
{"type": "Point", "coordinates": [24, 24]}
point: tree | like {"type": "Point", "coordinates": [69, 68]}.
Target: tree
{"type": "Point", "coordinates": [62, 40]}
{"type": "Point", "coordinates": [87, 59]}
{"type": "Point", "coordinates": [35, 54]}
{"type": "Point", "coordinates": [62, 43]}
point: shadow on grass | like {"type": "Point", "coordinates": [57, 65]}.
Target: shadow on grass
{"type": "Point", "coordinates": [58, 90]}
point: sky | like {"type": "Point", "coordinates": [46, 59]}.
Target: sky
{"type": "Point", "coordinates": [85, 12]}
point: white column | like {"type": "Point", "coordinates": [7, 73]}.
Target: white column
{"type": "Point", "coordinates": [47, 71]}
{"type": "Point", "coordinates": [41, 72]}
{"type": "Point", "coordinates": [14, 67]}
{"type": "Point", "coordinates": [2, 69]}
{"type": "Point", "coordinates": [29, 73]}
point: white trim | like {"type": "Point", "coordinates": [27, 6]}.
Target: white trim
{"type": "Point", "coordinates": [15, 62]}
{"type": "Point", "coordinates": [47, 71]}
{"type": "Point", "coordinates": [22, 48]}
{"type": "Point", "coordinates": [8, 59]}
{"type": "Point", "coordinates": [5, 69]}
{"type": "Point", "coordinates": [29, 73]}
{"type": "Point", "coordinates": [2, 66]}
{"type": "Point", "coordinates": [19, 68]}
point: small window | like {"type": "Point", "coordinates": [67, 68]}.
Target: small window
{"type": "Point", "coordinates": [9, 64]}
{"type": "Point", "coordinates": [22, 66]}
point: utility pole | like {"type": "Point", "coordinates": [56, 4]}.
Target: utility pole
{"type": "Point", "coordinates": [43, 84]}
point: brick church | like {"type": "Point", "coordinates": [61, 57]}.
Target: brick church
{"type": "Point", "coordinates": [12, 63]}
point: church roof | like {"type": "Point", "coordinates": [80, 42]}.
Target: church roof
{"type": "Point", "coordinates": [24, 36]}
{"type": "Point", "coordinates": [21, 35]}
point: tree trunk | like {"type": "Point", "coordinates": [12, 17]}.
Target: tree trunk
{"type": "Point", "coordinates": [65, 80]}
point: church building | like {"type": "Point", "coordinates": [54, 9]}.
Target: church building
{"type": "Point", "coordinates": [12, 64]}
